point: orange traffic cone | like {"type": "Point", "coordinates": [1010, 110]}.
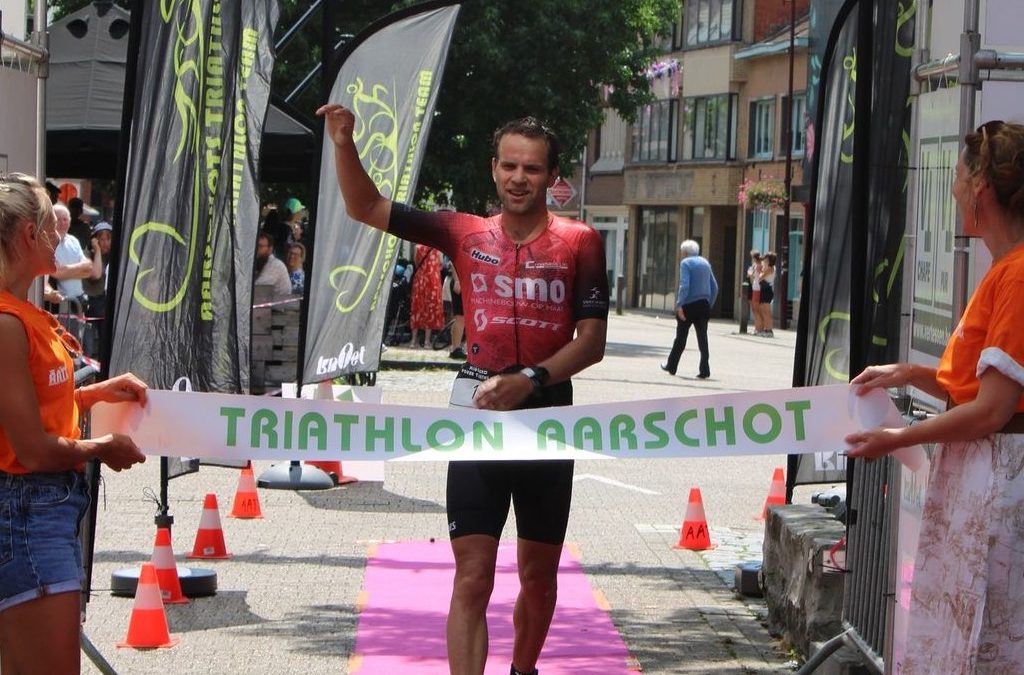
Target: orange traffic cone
{"type": "Point", "coordinates": [166, 569]}
{"type": "Point", "coordinates": [333, 469]}
{"type": "Point", "coordinates": [210, 537]}
{"type": "Point", "coordinates": [694, 534]}
{"type": "Point", "coordinates": [247, 500]}
{"type": "Point", "coordinates": [776, 492]}
{"type": "Point", "coordinates": [147, 628]}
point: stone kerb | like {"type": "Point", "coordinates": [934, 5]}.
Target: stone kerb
{"type": "Point", "coordinates": [803, 595]}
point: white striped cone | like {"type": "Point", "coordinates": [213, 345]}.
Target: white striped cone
{"type": "Point", "coordinates": [167, 569]}
{"type": "Point", "coordinates": [210, 537]}
{"type": "Point", "coordinates": [147, 628]}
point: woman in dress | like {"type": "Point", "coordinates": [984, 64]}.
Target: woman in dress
{"type": "Point", "coordinates": [42, 486]}
{"type": "Point", "coordinates": [967, 597]}
{"type": "Point", "coordinates": [427, 305]}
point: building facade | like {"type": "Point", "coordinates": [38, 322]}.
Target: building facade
{"type": "Point", "coordinates": [676, 172]}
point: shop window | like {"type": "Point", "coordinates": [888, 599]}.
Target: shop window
{"type": "Point", "coordinates": [656, 270]}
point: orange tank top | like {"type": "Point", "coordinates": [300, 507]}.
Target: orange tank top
{"type": "Point", "coordinates": [52, 372]}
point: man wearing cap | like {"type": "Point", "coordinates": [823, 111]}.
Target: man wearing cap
{"type": "Point", "coordinates": [81, 223]}
{"type": "Point", "coordinates": [296, 213]}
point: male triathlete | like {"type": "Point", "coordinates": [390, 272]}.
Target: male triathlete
{"type": "Point", "coordinates": [535, 293]}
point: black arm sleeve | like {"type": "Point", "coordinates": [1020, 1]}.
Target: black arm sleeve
{"type": "Point", "coordinates": [422, 227]}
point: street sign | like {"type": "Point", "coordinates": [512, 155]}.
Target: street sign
{"type": "Point", "coordinates": [562, 192]}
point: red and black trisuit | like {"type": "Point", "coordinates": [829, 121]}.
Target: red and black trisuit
{"type": "Point", "coordinates": [521, 303]}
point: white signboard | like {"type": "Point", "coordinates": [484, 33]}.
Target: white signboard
{"type": "Point", "coordinates": [934, 223]}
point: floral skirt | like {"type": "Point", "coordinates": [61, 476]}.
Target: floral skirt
{"type": "Point", "coordinates": [967, 599]}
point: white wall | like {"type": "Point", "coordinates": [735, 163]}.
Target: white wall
{"type": "Point", "coordinates": [15, 16]}
{"type": "Point", "coordinates": [1001, 22]}
{"type": "Point", "coordinates": [17, 121]}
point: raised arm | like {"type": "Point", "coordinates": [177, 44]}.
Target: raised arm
{"type": "Point", "coordinates": [363, 201]}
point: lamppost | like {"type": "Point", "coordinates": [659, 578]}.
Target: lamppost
{"type": "Point", "coordinates": [782, 235]}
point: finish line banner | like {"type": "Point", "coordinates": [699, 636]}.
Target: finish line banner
{"type": "Point", "coordinates": [230, 426]}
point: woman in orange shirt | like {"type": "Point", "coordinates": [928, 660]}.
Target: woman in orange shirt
{"type": "Point", "coordinates": [42, 489]}
{"type": "Point", "coordinates": [967, 598]}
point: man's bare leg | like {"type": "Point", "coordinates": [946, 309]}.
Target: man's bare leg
{"type": "Point", "coordinates": [475, 557]}
{"type": "Point", "coordinates": [538, 580]}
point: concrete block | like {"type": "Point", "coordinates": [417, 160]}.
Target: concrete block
{"type": "Point", "coordinates": [804, 598]}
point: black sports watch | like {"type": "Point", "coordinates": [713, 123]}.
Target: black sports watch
{"type": "Point", "coordinates": [538, 376]}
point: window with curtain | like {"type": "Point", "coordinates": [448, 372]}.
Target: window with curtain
{"type": "Point", "coordinates": [654, 134]}
{"type": "Point", "coordinates": [798, 120]}
{"type": "Point", "coordinates": [709, 127]}
{"type": "Point", "coordinates": [797, 116]}
{"type": "Point", "coordinates": [707, 22]}
{"type": "Point", "coordinates": [762, 128]}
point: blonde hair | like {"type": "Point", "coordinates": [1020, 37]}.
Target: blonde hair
{"type": "Point", "coordinates": [22, 198]}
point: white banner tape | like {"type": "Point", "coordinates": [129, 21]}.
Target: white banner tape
{"type": "Point", "coordinates": [790, 421]}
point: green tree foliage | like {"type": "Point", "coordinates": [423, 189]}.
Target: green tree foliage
{"type": "Point", "coordinates": [546, 58]}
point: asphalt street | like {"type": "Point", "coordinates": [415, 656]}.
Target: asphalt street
{"type": "Point", "coordinates": [289, 598]}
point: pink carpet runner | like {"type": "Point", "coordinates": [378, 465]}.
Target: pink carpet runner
{"type": "Point", "coordinates": [404, 606]}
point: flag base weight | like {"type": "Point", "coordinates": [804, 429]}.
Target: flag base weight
{"type": "Point", "coordinates": [294, 476]}
{"type": "Point", "coordinates": [196, 582]}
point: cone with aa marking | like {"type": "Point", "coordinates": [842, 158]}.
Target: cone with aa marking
{"type": "Point", "coordinates": [247, 499]}
{"type": "Point", "coordinates": [333, 469]}
{"type": "Point", "coordinates": [210, 537]}
{"type": "Point", "coordinates": [147, 628]}
{"type": "Point", "coordinates": [166, 569]}
{"type": "Point", "coordinates": [776, 492]}
{"type": "Point", "coordinates": [694, 534]}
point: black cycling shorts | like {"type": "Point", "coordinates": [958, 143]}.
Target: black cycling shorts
{"type": "Point", "coordinates": [479, 493]}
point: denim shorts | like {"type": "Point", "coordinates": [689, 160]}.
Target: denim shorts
{"type": "Point", "coordinates": [40, 553]}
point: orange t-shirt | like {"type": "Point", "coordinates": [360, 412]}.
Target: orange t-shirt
{"type": "Point", "coordinates": [990, 333]}
{"type": "Point", "coordinates": [53, 376]}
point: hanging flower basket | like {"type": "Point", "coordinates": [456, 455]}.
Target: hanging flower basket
{"type": "Point", "coordinates": [762, 194]}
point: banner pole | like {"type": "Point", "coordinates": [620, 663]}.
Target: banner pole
{"type": "Point", "coordinates": [804, 328]}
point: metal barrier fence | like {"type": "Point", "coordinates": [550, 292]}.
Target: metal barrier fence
{"type": "Point", "coordinates": [871, 521]}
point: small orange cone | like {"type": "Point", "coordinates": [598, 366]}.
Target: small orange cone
{"type": "Point", "coordinates": [776, 492]}
{"type": "Point", "coordinates": [210, 537]}
{"type": "Point", "coordinates": [694, 534]}
{"type": "Point", "coordinates": [147, 628]}
{"type": "Point", "coordinates": [333, 469]}
{"type": "Point", "coordinates": [166, 569]}
{"type": "Point", "coordinates": [247, 499]}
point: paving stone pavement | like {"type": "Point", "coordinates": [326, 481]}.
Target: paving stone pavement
{"type": "Point", "coordinates": [288, 599]}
